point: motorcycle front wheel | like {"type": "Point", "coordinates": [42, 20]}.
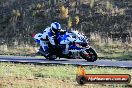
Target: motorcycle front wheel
{"type": "Point", "coordinates": [90, 56]}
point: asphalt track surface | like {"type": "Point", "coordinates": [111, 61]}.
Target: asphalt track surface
{"type": "Point", "coordinates": [100, 63]}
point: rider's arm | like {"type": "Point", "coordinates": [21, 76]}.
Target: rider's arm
{"type": "Point", "coordinates": [51, 39]}
{"type": "Point", "coordinates": [44, 37]}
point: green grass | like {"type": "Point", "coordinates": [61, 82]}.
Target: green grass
{"type": "Point", "coordinates": [114, 51]}
{"type": "Point", "coordinates": [51, 76]}
{"type": "Point", "coordinates": [57, 71]}
{"type": "Point", "coordinates": [116, 56]}
{"type": "Point", "coordinates": [20, 70]}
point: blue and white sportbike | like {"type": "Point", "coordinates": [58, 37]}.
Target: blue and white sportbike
{"type": "Point", "coordinates": [70, 45]}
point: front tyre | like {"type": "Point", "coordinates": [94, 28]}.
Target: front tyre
{"type": "Point", "coordinates": [93, 55]}
{"type": "Point", "coordinates": [89, 55]}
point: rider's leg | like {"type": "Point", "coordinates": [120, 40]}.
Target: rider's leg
{"type": "Point", "coordinates": [44, 47]}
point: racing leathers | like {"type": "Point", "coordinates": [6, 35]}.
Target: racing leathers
{"type": "Point", "coordinates": [48, 40]}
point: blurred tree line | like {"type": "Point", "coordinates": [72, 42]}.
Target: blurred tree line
{"type": "Point", "coordinates": [108, 18]}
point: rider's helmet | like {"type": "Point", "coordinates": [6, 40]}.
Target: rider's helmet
{"type": "Point", "coordinates": [55, 27]}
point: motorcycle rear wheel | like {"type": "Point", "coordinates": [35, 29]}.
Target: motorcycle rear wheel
{"type": "Point", "coordinates": [50, 57]}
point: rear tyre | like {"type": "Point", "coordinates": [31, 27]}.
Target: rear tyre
{"type": "Point", "coordinates": [50, 57]}
{"type": "Point", "coordinates": [46, 54]}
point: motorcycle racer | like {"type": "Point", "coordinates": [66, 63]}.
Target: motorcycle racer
{"type": "Point", "coordinates": [48, 38]}
{"type": "Point", "coordinates": [70, 45]}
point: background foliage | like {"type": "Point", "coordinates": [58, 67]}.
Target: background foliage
{"type": "Point", "coordinates": [106, 18]}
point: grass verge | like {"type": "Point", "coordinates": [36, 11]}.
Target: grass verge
{"type": "Point", "coordinates": [51, 76]}
{"type": "Point", "coordinates": [112, 50]}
